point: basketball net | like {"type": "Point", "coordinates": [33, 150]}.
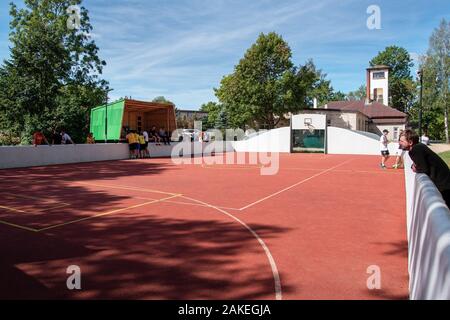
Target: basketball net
{"type": "Point", "coordinates": [311, 128]}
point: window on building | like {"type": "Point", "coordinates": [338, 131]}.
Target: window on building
{"type": "Point", "coordinates": [395, 133]}
{"type": "Point", "coordinates": [378, 95]}
{"type": "Point", "coordinates": [379, 75]}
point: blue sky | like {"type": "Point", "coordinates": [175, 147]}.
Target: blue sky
{"type": "Point", "coordinates": [181, 49]}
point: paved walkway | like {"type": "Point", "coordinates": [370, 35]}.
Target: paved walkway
{"type": "Point", "coordinates": [439, 148]}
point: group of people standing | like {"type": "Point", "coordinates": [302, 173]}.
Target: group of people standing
{"type": "Point", "coordinates": [138, 141]}
{"type": "Point", "coordinates": [56, 138]}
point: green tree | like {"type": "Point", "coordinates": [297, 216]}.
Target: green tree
{"type": "Point", "coordinates": [213, 110]}
{"type": "Point", "coordinates": [401, 85]}
{"type": "Point", "coordinates": [162, 99]}
{"type": "Point", "coordinates": [264, 86]}
{"type": "Point", "coordinates": [338, 96]}
{"type": "Point", "coordinates": [317, 86]}
{"type": "Point", "coordinates": [435, 66]}
{"type": "Point", "coordinates": [52, 77]}
{"type": "Point", "coordinates": [222, 120]}
{"type": "Point", "coordinates": [358, 95]}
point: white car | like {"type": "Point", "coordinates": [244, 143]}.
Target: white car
{"type": "Point", "coordinates": [194, 134]}
{"type": "Point", "coordinates": [188, 135]}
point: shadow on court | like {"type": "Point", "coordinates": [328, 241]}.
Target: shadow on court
{"type": "Point", "coordinates": [138, 258]}
{"type": "Point", "coordinates": [31, 191]}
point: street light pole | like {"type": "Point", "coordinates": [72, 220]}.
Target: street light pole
{"type": "Point", "coordinates": [106, 114]}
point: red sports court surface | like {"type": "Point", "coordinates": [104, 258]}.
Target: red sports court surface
{"type": "Point", "coordinates": [151, 229]}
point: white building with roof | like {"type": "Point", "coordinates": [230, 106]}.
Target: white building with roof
{"type": "Point", "coordinates": [370, 115]}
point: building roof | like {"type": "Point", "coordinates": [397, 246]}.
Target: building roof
{"type": "Point", "coordinates": [389, 121]}
{"type": "Point", "coordinates": [138, 106]}
{"type": "Point", "coordinates": [379, 67]}
{"type": "Point", "coordinates": [321, 109]}
{"type": "Point", "coordinates": [143, 106]}
{"type": "Point", "coordinates": [374, 110]}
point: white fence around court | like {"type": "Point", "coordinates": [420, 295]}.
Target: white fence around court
{"type": "Point", "coordinates": [345, 141]}
{"type": "Point", "coordinates": [340, 141]}
{"type": "Point", "coordinates": [277, 140]}
{"type": "Point", "coordinates": [428, 223]}
{"type": "Point", "coordinates": [29, 156]}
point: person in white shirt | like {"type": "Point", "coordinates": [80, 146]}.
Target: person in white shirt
{"type": "Point", "coordinates": [65, 138]}
{"type": "Point", "coordinates": [399, 163]}
{"type": "Point", "coordinates": [145, 134]}
{"type": "Point", "coordinates": [146, 150]}
{"type": "Point", "coordinates": [205, 137]}
{"type": "Point", "coordinates": [425, 140]}
{"type": "Point", "coordinates": [384, 149]}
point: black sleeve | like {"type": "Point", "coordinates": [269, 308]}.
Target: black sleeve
{"type": "Point", "coordinates": [418, 156]}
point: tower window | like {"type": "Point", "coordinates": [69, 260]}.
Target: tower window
{"type": "Point", "coordinates": [379, 75]}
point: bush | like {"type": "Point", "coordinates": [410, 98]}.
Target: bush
{"type": "Point", "coordinates": [8, 139]}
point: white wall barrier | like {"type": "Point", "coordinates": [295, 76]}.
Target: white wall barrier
{"type": "Point", "coordinates": [428, 223]}
{"type": "Point", "coordinates": [345, 141]}
{"type": "Point", "coordinates": [277, 140]}
{"type": "Point", "coordinates": [29, 156]}
{"type": "Point", "coordinates": [339, 141]}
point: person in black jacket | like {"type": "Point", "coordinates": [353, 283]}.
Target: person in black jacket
{"type": "Point", "coordinates": [427, 162]}
{"type": "Point", "coordinates": [56, 137]}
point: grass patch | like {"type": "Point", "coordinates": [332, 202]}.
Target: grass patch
{"type": "Point", "coordinates": [446, 157]}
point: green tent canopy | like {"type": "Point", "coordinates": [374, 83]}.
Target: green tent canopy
{"type": "Point", "coordinates": [130, 114]}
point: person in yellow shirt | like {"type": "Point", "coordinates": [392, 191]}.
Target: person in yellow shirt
{"type": "Point", "coordinates": [136, 144]}
{"type": "Point", "coordinates": [133, 144]}
{"type": "Point", "coordinates": [141, 145]}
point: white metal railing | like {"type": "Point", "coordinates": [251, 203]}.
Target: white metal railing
{"type": "Point", "coordinates": [428, 223]}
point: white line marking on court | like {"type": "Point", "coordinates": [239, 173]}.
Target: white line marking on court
{"type": "Point", "coordinates": [294, 185]}
{"type": "Point", "coordinates": [12, 209]}
{"type": "Point", "coordinates": [106, 213]}
{"type": "Point", "coordinates": [18, 226]}
{"type": "Point", "coordinates": [184, 203]}
{"type": "Point", "coordinates": [200, 205]}
{"type": "Point", "coordinates": [127, 188]}
{"type": "Point", "coordinates": [273, 265]}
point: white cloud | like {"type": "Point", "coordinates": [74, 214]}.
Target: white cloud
{"type": "Point", "coordinates": [415, 57]}
{"type": "Point", "coordinates": [183, 48]}
{"type": "Point", "coordinates": [132, 60]}
{"type": "Point", "coordinates": [182, 60]}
